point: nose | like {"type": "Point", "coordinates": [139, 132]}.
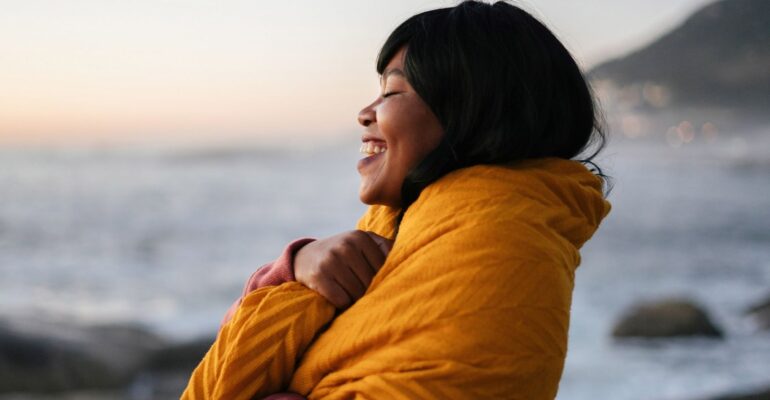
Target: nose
{"type": "Point", "coordinates": [367, 115]}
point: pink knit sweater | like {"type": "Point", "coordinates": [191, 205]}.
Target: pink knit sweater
{"type": "Point", "coordinates": [271, 274]}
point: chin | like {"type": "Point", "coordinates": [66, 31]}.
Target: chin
{"type": "Point", "coordinates": [371, 199]}
{"type": "Point", "coordinates": [378, 196]}
{"type": "Point", "coordinates": [365, 200]}
{"type": "Point", "coordinates": [366, 197]}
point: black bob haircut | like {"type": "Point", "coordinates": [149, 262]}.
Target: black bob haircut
{"type": "Point", "coordinates": [501, 85]}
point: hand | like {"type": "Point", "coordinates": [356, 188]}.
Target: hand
{"type": "Point", "coordinates": [341, 267]}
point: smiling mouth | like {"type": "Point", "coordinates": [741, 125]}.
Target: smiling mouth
{"type": "Point", "coordinates": [371, 148]}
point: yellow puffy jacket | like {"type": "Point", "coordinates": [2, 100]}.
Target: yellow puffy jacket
{"type": "Point", "coordinates": [473, 301]}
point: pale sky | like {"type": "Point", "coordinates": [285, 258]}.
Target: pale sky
{"type": "Point", "coordinates": [159, 70]}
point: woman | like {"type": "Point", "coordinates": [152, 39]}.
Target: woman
{"type": "Point", "coordinates": [470, 170]}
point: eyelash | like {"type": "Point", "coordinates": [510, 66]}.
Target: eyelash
{"type": "Point", "coordinates": [389, 94]}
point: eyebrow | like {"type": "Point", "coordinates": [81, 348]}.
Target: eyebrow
{"type": "Point", "coordinates": [394, 71]}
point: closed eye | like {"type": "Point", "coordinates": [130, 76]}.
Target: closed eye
{"type": "Point", "coordinates": [389, 94]}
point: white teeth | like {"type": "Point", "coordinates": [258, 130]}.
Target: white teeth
{"type": "Point", "coordinates": [370, 149]}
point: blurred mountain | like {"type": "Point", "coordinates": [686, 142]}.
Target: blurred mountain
{"type": "Point", "coordinates": [719, 57]}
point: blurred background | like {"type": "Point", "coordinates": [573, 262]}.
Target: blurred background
{"type": "Point", "coordinates": [153, 154]}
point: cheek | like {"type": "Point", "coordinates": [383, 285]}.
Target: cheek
{"type": "Point", "coordinates": [426, 135]}
{"type": "Point", "coordinates": [411, 129]}
{"type": "Point", "coordinates": [392, 120]}
{"type": "Point", "coordinates": [404, 121]}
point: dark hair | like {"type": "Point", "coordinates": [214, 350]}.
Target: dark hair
{"type": "Point", "coordinates": [502, 86]}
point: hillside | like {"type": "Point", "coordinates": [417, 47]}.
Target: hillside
{"type": "Point", "coordinates": [719, 57]}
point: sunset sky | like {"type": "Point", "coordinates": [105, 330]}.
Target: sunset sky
{"type": "Point", "coordinates": [190, 70]}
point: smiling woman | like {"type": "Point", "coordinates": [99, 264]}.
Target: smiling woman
{"type": "Point", "coordinates": [400, 131]}
{"type": "Point", "coordinates": [457, 282]}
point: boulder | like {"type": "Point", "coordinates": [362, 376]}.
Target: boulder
{"type": "Point", "coordinates": [180, 357]}
{"type": "Point", "coordinates": [666, 318]}
{"type": "Point", "coordinates": [31, 364]}
{"type": "Point", "coordinates": [39, 355]}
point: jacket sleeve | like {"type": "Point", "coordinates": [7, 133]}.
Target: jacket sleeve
{"type": "Point", "coordinates": [256, 353]}
{"type": "Point", "coordinates": [271, 274]}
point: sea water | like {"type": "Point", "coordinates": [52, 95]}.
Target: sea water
{"type": "Point", "coordinates": [167, 236]}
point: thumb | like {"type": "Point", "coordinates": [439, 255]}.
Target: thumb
{"type": "Point", "coordinates": [384, 244]}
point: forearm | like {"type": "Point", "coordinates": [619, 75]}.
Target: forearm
{"type": "Point", "coordinates": [256, 352]}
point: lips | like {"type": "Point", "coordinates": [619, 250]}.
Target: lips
{"type": "Point", "coordinates": [374, 150]}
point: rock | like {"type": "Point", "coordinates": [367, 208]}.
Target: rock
{"type": "Point", "coordinates": [666, 318]}
{"type": "Point", "coordinates": [159, 385]}
{"type": "Point", "coordinates": [180, 357]}
{"type": "Point", "coordinates": [48, 356]}
{"type": "Point", "coordinates": [761, 313]}
{"type": "Point", "coordinates": [168, 369]}
{"type": "Point", "coordinates": [31, 364]}
{"type": "Point", "coordinates": [125, 347]}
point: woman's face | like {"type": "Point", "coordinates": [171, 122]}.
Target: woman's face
{"type": "Point", "coordinates": [400, 130]}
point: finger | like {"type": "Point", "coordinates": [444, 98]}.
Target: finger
{"type": "Point", "coordinates": [344, 275]}
{"type": "Point", "coordinates": [371, 251]}
{"type": "Point", "coordinates": [361, 267]}
{"type": "Point", "coordinates": [384, 244]}
{"type": "Point", "coordinates": [331, 291]}
{"type": "Point", "coordinates": [367, 258]}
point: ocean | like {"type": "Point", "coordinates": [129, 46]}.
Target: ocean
{"type": "Point", "coordinates": [167, 236]}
